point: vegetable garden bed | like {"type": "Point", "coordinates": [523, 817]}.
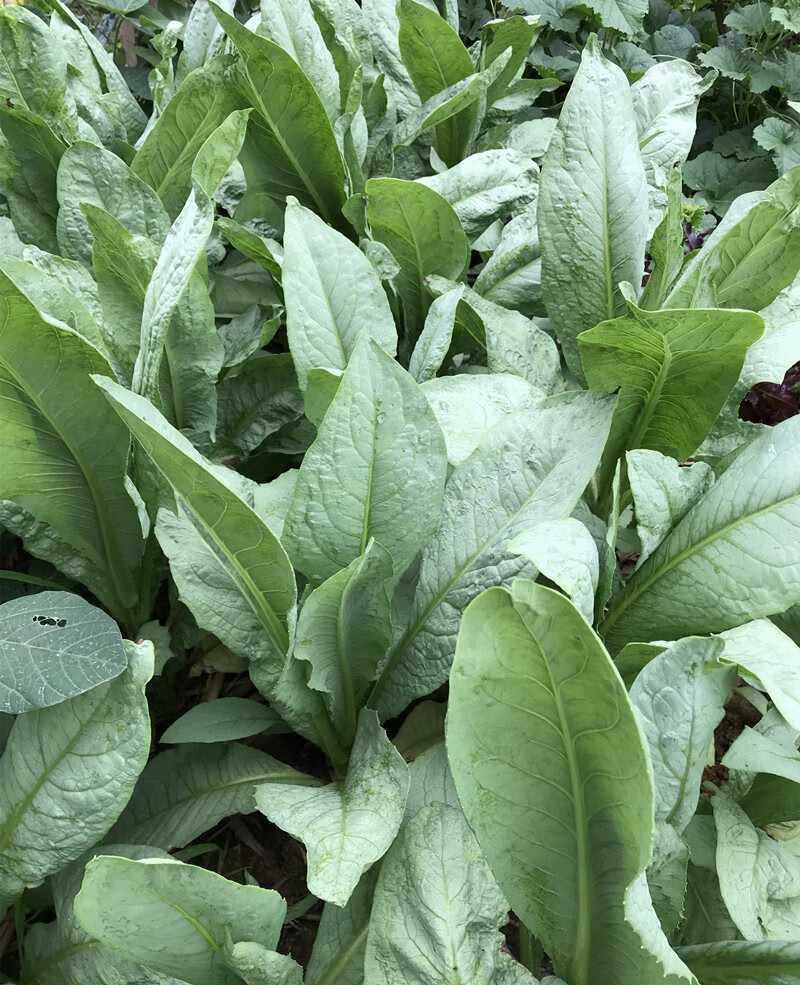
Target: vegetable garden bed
{"type": "Point", "coordinates": [400, 493]}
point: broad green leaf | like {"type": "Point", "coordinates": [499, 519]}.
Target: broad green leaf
{"type": "Point", "coordinates": [88, 173]}
{"type": "Point", "coordinates": [434, 342]}
{"type": "Point", "coordinates": [497, 36]}
{"type": "Point", "coordinates": [50, 295]}
{"type": "Point", "coordinates": [665, 103]}
{"type": "Point", "coordinates": [772, 799]}
{"type": "Point", "coordinates": [565, 552]}
{"type": "Point", "coordinates": [422, 728]}
{"type": "Point", "coordinates": [174, 917]}
{"type": "Point", "coordinates": [762, 651]}
{"type": "Point", "coordinates": [592, 203]}
{"type": "Point", "coordinates": [349, 824]}
{"type": "Point", "coordinates": [33, 71]}
{"type": "Point", "coordinates": [431, 779]}
{"type": "Point", "coordinates": [183, 249]}
{"type": "Point", "coordinates": [436, 58]}
{"type": "Point", "coordinates": [186, 791]}
{"type": "Point", "coordinates": [218, 547]}
{"type": "Point", "coordinates": [680, 698]}
{"type": "Point", "coordinates": [489, 500]}
{"type": "Point", "coordinates": [342, 633]}
{"type": "Point", "coordinates": [770, 747]}
{"type": "Point", "coordinates": [333, 295]}
{"type": "Point", "coordinates": [621, 15]}
{"type": "Point", "coordinates": [66, 774]}
{"type": "Point", "coordinates": [377, 469]}
{"type": "Point", "coordinates": [123, 265]}
{"type": "Point", "coordinates": [383, 26]}
{"type": "Point", "coordinates": [667, 875]}
{"type": "Point", "coordinates": [673, 369]}
{"type": "Point", "coordinates": [437, 908]}
{"type": "Point", "coordinates": [341, 940]}
{"type": "Point", "coordinates": [268, 253]}
{"type": "Point", "coordinates": [467, 406]}
{"type": "Point", "coordinates": [744, 962]}
{"type": "Point", "coordinates": [199, 106]}
{"type": "Point", "coordinates": [291, 148]}
{"type": "Point", "coordinates": [512, 277]}
{"type": "Point", "coordinates": [29, 162]}
{"type": "Point", "coordinates": [486, 187]}
{"type": "Point", "coordinates": [782, 138]}
{"type": "Point", "coordinates": [54, 646]}
{"type": "Point", "coordinates": [759, 877]}
{"type": "Point", "coordinates": [222, 720]}
{"type": "Point", "coordinates": [291, 24]}
{"type": "Point", "coordinates": [525, 662]}
{"type": "Point", "coordinates": [130, 111]}
{"type": "Point", "coordinates": [256, 964]}
{"type": "Point", "coordinates": [663, 493]}
{"type": "Point", "coordinates": [62, 953]}
{"type": "Point", "coordinates": [747, 262]}
{"type": "Point", "coordinates": [706, 917]}
{"type": "Point", "coordinates": [64, 454]}
{"type": "Point", "coordinates": [731, 559]}
{"type": "Point", "coordinates": [425, 237]}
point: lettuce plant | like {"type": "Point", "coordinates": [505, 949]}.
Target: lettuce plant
{"type": "Point", "coordinates": [315, 372]}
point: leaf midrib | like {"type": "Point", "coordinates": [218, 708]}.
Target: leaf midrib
{"type": "Point", "coordinates": [681, 556]}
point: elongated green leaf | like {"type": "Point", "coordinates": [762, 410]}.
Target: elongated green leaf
{"type": "Point", "coordinates": [733, 557]}
{"type": "Point", "coordinates": [347, 825]}
{"type": "Point", "coordinates": [487, 187]}
{"type": "Point", "coordinates": [221, 720]}
{"type": "Point", "coordinates": [291, 148]}
{"type": "Point", "coordinates": [425, 237]}
{"type": "Point", "coordinates": [749, 260]}
{"type": "Point", "coordinates": [673, 370]}
{"type": "Point", "coordinates": [377, 469]}
{"type": "Point", "coordinates": [512, 277]}
{"type": "Point", "coordinates": [205, 98]}
{"type": "Point", "coordinates": [592, 203]}
{"type": "Point", "coordinates": [434, 342]}
{"type": "Point", "coordinates": [770, 747]}
{"type": "Point", "coordinates": [525, 662]}
{"type": "Point", "coordinates": [333, 295]}
{"type": "Point", "coordinates": [383, 26]}
{"type": "Point", "coordinates": [436, 58]}
{"type": "Point", "coordinates": [341, 636]}
{"type": "Point", "coordinates": [267, 253]}
{"type": "Point", "coordinates": [437, 908]}
{"type": "Point", "coordinates": [291, 24]}
{"type": "Point", "coordinates": [54, 646]}
{"type": "Point", "coordinates": [665, 103]}
{"type": "Point", "coordinates": [123, 265]}
{"type": "Point", "coordinates": [174, 917]}
{"type": "Point", "coordinates": [66, 774]}
{"type": "Point", "coordinates": [666, 246]}
{"type": "Point", "coordinates": [217, 545]}
{"type": "Point", "coordinates": [64, 455]}
{"type": "Point", "coordinates": [62, 953]}
{"type": "Point", "coordinates": [88, 173]}
{"type": "Point", "coordinates": [186, 791]}
{"type": "Point", "coordinates": [493, 497]}
{"type": "Point", "coordinates": [183, 249]}
{"type": "Point", "coordinates": [744, 962]}
{"type": "Point", "coordinates": [29, 163]}
{"type": "Point", "coordinates": [255, 964]}
{"type": "Point", "coordinates": [33, 71]}
{"type": "Point", "coordinates": [679, 698]}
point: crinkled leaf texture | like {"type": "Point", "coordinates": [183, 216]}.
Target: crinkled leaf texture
{"type": "Point", "coordinates": [230, 568]}
{"type": "Point", "coordinates": [347, 825]}
{"type": "Point", "coordinates": [530, 467]}
{"type": "Point", "coordinates": [437, 908]}
{"type": "Point", "coordinates": [735, 556]}
{"type": "Point", "coordinates": [592, 208]}
{"type": "Point", "coordinates": [174, 918]}
{"type": "Point", "coordinates": [568, 840]}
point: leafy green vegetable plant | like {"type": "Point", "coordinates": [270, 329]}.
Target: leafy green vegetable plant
{"type": "Point", "coordinates": [358, 373]}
